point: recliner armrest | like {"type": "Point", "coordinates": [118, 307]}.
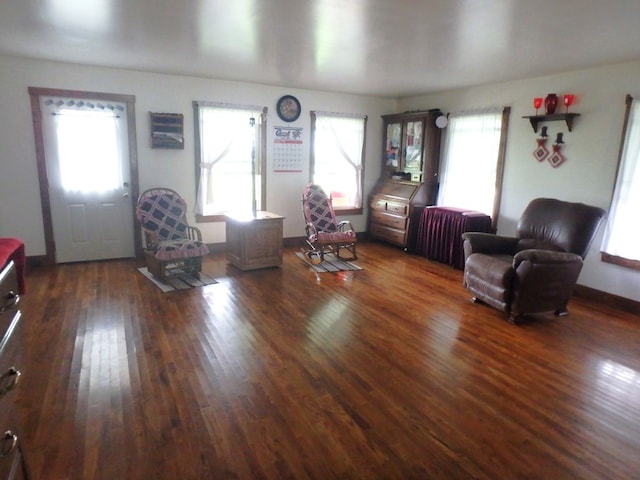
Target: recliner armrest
{"type": "Point", "coordinates": [488, 243]}
{"type": "Point", "coordinates": [545, 257]}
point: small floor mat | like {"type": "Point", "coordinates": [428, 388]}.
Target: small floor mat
{"type": "Point", "coordinates": [178, 282]}
{"type": "Point", "coordinates": [330, 264]}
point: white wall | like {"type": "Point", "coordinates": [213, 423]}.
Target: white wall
{"type": "Point", "coordinates": [587, 175]}
{"type": "Point", "coordinates": [591, 150]}
{"type": "Point", "coordinates": [20, 211]}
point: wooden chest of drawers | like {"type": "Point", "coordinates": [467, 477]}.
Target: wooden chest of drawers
{"type": "Point", "coordinates": [395, 211]}
{"type": "Point", "coordinates": [12, 464]}
{"type": "Point", "coordinates": [254, 242]}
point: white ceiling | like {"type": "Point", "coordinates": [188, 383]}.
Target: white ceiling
{"type": "Point", "coordinates": [380, 47]}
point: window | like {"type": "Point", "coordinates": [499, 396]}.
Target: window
{"type": "Point", "coordinates": [620, 243]}
{"type": "Point", "coordinates": [89, 149]}
{"type": "Point", "coordinates": [230, 159]}
{"type": "Point", "coordinates": [473, 159]}
{"type": "Point", "coordinates": [337, 157]}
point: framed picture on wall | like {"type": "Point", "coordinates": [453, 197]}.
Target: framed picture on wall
{"type": "Point", "coordinates": [167, 130]}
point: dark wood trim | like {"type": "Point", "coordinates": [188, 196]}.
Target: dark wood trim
{"type": "Point", "coordinates": [36, 261]}
{"type": "Point", "coordinates": [287, 242]}
{"type": "Point", "coordinates": [609, 299]}
{"type": "Point", "coordinates": [312, 144]}
{"type": "Point", "coordinates": [620, 261]}
{"type": "Point", "coordinates": [59, 92]}
{"type": "Point", "coordinates": [262, 163]}
{"type": "Point", "coordinates": [196, 148]}
{"type": "Point", "coordinates": [221, 218]}
{"type": "Point", "coordinates": [348, 211]}
{"type": "Point", "coordinates": [502, 151]}
{"type": "Point", "coordinates": [606, 257]}
{"type": "Point", "coordinates": [628, 101]}
{"type": "Point", "coordinates": [217, 247]}
{"type": "Point", "coordinates": [45, 202]}
{"type": "Point", "coordinates": [209, 218]}
{"type": "Point", "coordinates": [133, 173]}
{"type": "Point", "coordinates": [221, 247]}
{"type": "Point", "coordinates": [363, 163]}
{"type": "Point", "coordinates": [36, 115]}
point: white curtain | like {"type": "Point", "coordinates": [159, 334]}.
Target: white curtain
{"type": "Point", "coordinates": [229, 167]}
{"type": "Point", "coordinates": [87, 137]}
{"type": "Point", "coordinates": [470, 161]}
{"type": "Point", "coordinates": [339, 143]}
{"type": "Point", "coordinates": [622, 230]}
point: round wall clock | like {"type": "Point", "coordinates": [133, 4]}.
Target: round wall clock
{"type": "Point", "coordinates": [288, 108]}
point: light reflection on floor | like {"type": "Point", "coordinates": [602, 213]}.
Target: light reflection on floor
{"type": "Point", "coordinates": [619, 380]}
{"type": "Point", "coordinates": [330, 324]}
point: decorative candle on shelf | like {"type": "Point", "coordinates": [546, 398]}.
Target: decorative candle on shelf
{"type": "Point", "coordinates": [569, 98]}
{"type": "Point", "coordinates": [537, 103]}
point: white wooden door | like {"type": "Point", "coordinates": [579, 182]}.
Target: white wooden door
{"type": "Point", "coordinates": [88, 169]}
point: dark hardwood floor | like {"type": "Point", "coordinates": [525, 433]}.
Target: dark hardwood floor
{"type": "Point", "coordinates": [386, 373]}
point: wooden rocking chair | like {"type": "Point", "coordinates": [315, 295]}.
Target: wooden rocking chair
{"type": "Point", "coordinates": [324, 233]}
{"type": "Point", "coordinates": [172, 246]}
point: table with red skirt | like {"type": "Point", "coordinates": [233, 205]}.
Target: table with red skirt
{"type": "Point", "coordinates": [13, 249]}
{"type": "Point", "coordinates": [440, 233]}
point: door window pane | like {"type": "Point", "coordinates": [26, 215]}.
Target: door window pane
{"type": "Point", "coordinates": [88, 151]}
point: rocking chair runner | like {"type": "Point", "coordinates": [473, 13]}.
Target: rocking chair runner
{"type": "Point", "coordinates": [172, 246]}
{"type": "Point", "coordinates": [324, 233]}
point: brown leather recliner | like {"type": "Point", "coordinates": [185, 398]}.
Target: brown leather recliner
{"type": "Point", "coordinates": [537, 270]}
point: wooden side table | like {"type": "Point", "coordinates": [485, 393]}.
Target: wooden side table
{"type": "Point", "coordinates": [254, 242]}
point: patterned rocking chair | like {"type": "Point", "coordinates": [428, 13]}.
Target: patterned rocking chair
{"type": "Point", "coordinates": [324, 233]}
{"type": "Point", "coordinates": [172, 246]}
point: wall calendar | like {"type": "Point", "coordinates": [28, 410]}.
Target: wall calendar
{"type": "Point", "coordinates": [287, 149]}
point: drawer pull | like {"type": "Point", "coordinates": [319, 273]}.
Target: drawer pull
{"type": "Point", "coordinates": [9, 443]}
{"type": "Point", "coordinates": [12, 299]}
{"type": "Point", "coordinates": [9, 381]}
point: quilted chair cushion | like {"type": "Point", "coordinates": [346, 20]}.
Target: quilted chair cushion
{"type": "Point", "coordinates": [317, 209]}
{"type": "Point", "coordinates": [163, 214]}
{"type": "Point", "coordinates": [177, 249]}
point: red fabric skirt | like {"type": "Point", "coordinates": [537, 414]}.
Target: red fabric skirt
{"type": "Point", "coordinates": [13, 249]}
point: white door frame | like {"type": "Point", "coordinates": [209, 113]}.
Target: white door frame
{"type": "Point", "coordinates": [36, 114]}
